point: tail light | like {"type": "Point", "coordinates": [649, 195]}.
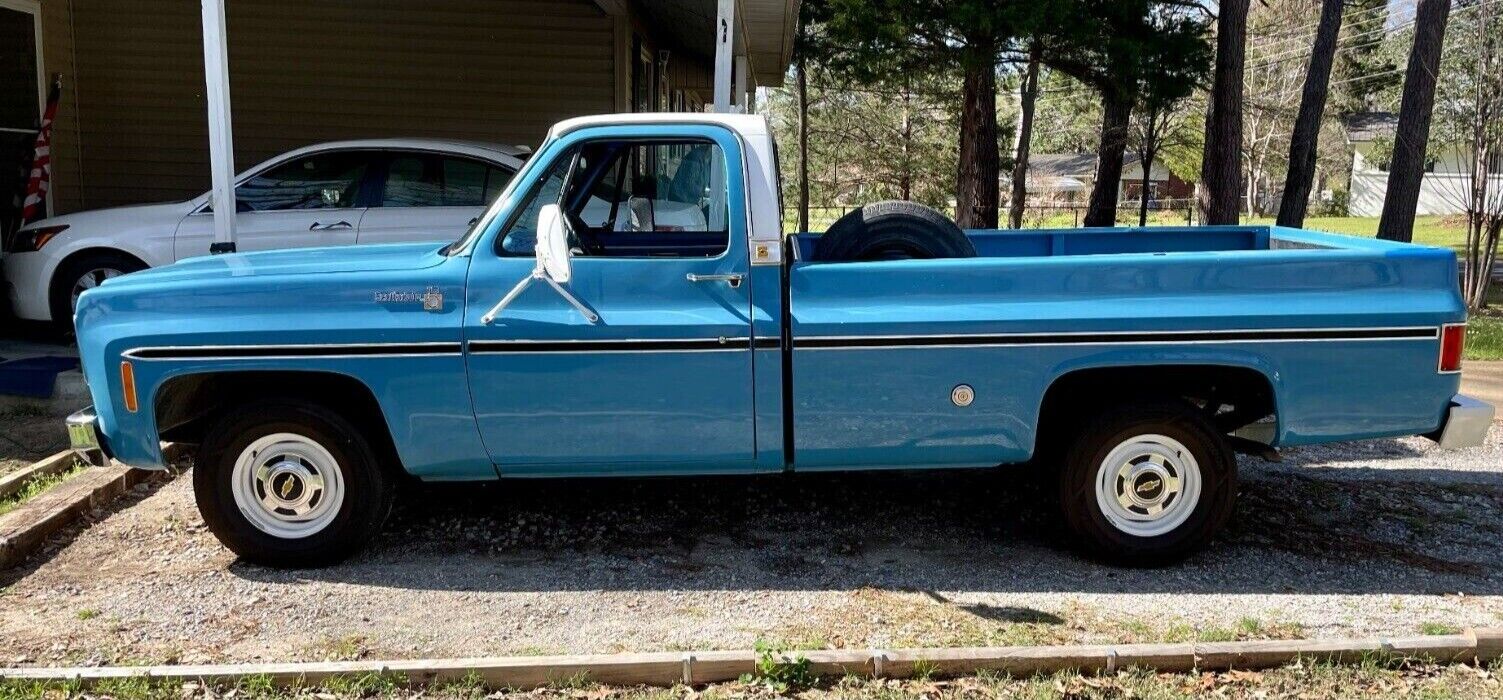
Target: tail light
{"type": "Point", "coordinates": [32, 239]}
{"type": "Point", "coordinates": [1452, 340]}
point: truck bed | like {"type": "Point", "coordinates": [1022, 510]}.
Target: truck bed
{"type": "Point", "coordinates": [1042, 243]}
{"type": "Point", "coordinates": [1344, 330]}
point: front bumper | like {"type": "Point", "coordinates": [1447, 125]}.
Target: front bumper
{"type": "Point", "coordinates": [85, 439]}
{"type": "Point", "coordinates": [26, 276]}
{"type": "Point", "coordinates": [1466, 425]}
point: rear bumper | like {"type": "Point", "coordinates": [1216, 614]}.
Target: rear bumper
{"type": "Point", "coordinates": [85, 439]}
{"type": "Point", "coordinates": [1466, 425]}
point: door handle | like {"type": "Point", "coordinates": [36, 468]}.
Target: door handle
{"type": "Point", "coordinates": [327, 227]}
{"type": "Point", "coordinates": [733, 279]}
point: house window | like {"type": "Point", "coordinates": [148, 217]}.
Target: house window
{"type": "Point", "coordinates": [643, 79]}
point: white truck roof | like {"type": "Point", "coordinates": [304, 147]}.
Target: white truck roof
{"type": "Point", "coordinates": [746, 124]}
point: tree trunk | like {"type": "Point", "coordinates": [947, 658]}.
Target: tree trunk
{"type": "Point", "coordinates": [1221, 162]}
{"type": "Point", "coordinates": [1116, 110]}
{"type": "Point", "coordinates": [803, 145]}
{"type": "Point", "coordinates": [1027, 98]}
{"type": "Point", "coordinates": [1147, 163]}
{"type": "Point", "coordinates": [976, 187]}
{"type": "Point", "coordinates": [1407, 168]}
{"type": "Point", "coordinates": [1312, 102]}
{"type": "Point", "coordinates": [905, 176]}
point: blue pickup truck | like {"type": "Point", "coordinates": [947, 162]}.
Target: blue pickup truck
{"type": "Point", "coordinates": [631, 307]}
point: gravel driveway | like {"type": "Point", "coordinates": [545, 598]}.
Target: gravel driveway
{"type": "Point", "coordinates": [1389, 537]}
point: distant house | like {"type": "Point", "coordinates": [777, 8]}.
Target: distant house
{"type": "Point", "coordinates": [1068, 177]}
{"type": "Point", "coordinates": [1447, 174]}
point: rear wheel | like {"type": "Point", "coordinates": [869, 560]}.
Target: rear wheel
{"type": "Point", "coordinates": [1147, 484]}
{"type": "Point", "coordinates": [290, 484]}
{"type": "Point", "coordinates": [79, 275]}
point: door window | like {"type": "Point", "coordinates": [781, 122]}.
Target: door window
{"type": "Point", "coordinates": [633, 199]}
{"type": "Point", "coordinates": [427, 180]}
{"type": "Point", "coordinates": [319, 181]}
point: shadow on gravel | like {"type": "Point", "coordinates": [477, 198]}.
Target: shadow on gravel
{"type": "Point", "coordinates": [925, 531]}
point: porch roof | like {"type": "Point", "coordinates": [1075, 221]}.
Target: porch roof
{"type": "Point", "coordinates": [765, 28]}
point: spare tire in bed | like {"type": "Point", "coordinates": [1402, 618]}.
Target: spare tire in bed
{"type": "Point", "coordinates": [893, 231]}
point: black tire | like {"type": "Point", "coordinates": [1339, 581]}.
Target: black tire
{"type": "Point", "coordinates": [369, 486]}
{"type": "Point", "coordinates": [893, 231]}
{"type": "Point", "coordinates": [1084, 459]}
{"type": "Point", "coordinates": [60, 291]}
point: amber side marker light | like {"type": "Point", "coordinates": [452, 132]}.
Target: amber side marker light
{"type": "Point", "coordinates": [128, 385]}
{"type": "Point", "coordinates": [1452, 340]}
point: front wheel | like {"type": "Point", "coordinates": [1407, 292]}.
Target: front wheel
{"type": "Point", "coordinates": [290, 484]}
{"type": "Point", "coordinates": [1148, 484]}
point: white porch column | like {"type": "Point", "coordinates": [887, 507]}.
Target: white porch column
{"type": "Point", "coordinates": [725, 42]}
{"type": "Point", "coordinates": [742, 90]}
{"type": "Point", "coordinates": [221, 142]}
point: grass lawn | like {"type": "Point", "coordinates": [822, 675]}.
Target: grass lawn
{"type": "Point", "coordinates": [1484, 330]}
{"type": "Point", "coordinates": [1440, 231]}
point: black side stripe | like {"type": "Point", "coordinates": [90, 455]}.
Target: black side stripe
{"type": "Point", "coordinates": [249, 352]}
{"type": "Point", "coordinates": [1117, 338]}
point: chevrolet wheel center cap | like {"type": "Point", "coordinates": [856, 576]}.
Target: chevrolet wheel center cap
{"type": "Point", "coordinates": [1148, 486]}
{"type": "Point", "coordinates": [287, 486]}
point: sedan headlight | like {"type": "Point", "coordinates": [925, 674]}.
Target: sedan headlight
{"type": "Point", "coordinates": [32, 239]}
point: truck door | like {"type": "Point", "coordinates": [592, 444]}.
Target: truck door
{"type": "Point", "coordinates": [662, 381]}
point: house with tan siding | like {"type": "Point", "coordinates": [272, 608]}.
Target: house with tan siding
{"type": "Point", "coordinates": [131, 123]}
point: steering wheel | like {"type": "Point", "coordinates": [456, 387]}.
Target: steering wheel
{"type": "Point", "coordinates": [581, 233]}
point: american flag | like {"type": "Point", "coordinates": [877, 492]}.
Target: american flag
{"type": "Point", "coordinates": [41, 162]}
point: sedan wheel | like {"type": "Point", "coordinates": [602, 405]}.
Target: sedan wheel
{"type": "Point", "coordinates": [91, 279]}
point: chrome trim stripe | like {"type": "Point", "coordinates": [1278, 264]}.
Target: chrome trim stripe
{"type": "Point", "coordinates": [631, 345]}
{"type": "Point", "coordinates": [1289, 335]}
{"type": "Point", "coordinates": [659, 345]}
{"type": "Point", "coordinates": [260, 352]}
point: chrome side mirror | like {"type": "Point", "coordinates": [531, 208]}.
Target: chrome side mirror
{"type": "Point", "coordinates": [552, 247]}
{"type": "Point", "coordinates": [551, 252]}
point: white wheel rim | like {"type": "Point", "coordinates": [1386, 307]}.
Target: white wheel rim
{"type": "Point", "coordinates": [287, 485]}
{"type": "Point", "coordinates": [1148, 485]}
{"type": "Point", "coordinates": [91, 279]}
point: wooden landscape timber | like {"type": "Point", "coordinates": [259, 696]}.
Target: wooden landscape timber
{"type": "Point", "coordinates": [1478, 645]}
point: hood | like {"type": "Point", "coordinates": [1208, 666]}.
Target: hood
{"type": "Point", "coordinates": [297, 261]}
{"type": "Point", "coordinates": [109, 219]}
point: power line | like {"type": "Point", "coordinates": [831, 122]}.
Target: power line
{"type": "Point", "coordinates": [1306, 32]}
{"type": "Point", "coordinates": [1300, 54]}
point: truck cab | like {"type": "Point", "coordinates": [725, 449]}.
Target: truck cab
{"type": "Point", "coordinates": [630, 306]}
